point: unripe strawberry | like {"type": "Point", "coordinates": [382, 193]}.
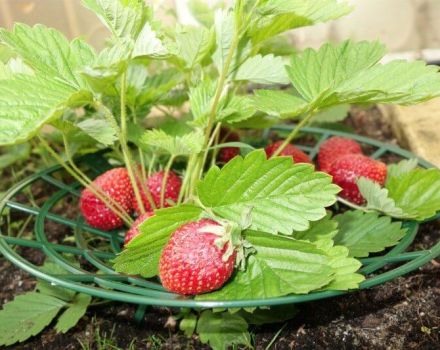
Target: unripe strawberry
{"type": "Point", "coordinates": [346, 170]}
{"type": "Point", "coordinates": [154, 184]}
{"type": "Point", "coordinates": [134, 230]}
{"type": "Point", "coordinates": [227, 153]}
{"type": "Point", "coordinates": [297, 155]}
{"type": "Point", "coordinates": [335, 147]}
{"type": "Point", "coordinates": [192, 263]}
{"type": "Point", "coordinates": [116, 184]}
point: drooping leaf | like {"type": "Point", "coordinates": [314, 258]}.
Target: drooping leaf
{"type": "Point", "coordinates": [100, 130]}
{"type": "Point", "coordinates": [142, 254]}
{"type": "Point", "coordinates": [378, 199]}
{"type": "Point", "coordinates": [334, 114]}
{"type": "Point", "coordinates": [278, 16]}
{"type": "Point", "coordinates": [259, 69]}
{"type": "Point", "coordinates": [222, 329]}
{"type": "Point", "coordinates": [193, 44]}
{"type": "Point", "coordinates": [279, 104]}
{"type": "Point", "coordinates": [325, 228]}
{"type": "Point", "coordinates": [187, 144]}
{"type": "Point", "coordinates": [416, 192]}
{"type": "Point", "coordinates": [124, 18]}
{"type": "Point", "coordinates": [76, 310]}
{"type": "Point", "coordinates": [48, 52]}
{"type": "Point", "coordinates": [28, 102]}
{"type": "Point", "coordinates": [148, 44]}
{"type": "Point", "coordinates": [13, 154]}
{"type": "Point", "coordinates": [365, 233]}
{"type": "Point", "coordinates": [403, 167]}
{"type": "Point", "coordinates": [282, 196]}
{"type": "Point", "coordinates": [27, 315]}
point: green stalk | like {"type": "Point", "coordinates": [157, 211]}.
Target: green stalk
{"type": "Point", "coordinates": [164, 180]}
{"type": "Point", "coordinates": [216, 142]}
{"type": "Point", "coordinates": [97, 192]}
{"type": "Point", "coordinates": [186, 179]}
{"type": "Point", "coordinates": [294, 132]}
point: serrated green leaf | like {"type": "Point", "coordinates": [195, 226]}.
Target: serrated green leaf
{"type": "Point", "coordinates": [48, 52]}
{"type": "Point", "coordinates": [325, 228]}
{"type": "Point", "coordinates": [283, 196]}
{"type": "Point", "coordinates": [332, 115]}
{"type": "Point", "coordinates": [416, 192]}
{"type": "Point", "coordinates": [141, 256]}
{"type": "Point", "coordinates": [377, 198]}
{"type": "Point", "coordinates": [279, 104]}
{"type": "Point", "coordinates": [76, 310]}
{"type": "Point", "coordinates": [259, 69]}
{"type": "Point", "coordinates": [124, 18]}
{"type": "Point", "coordinates": [193, 44]}
{"type": "Point", "coordinates": [221, 330]}
{"type": "Point", "coordinates": [350, 73]}
{"type": "Point", "coordinates": [99, 129]}
{"type": "Point", "coordinates": [200, 98]}
{"type": "Point", "coordinates": [237, 109]}
{"type": "Point", "coordinates": [403, 167]}
{"type": "Point", "coordinates": [365, 233]}
{"type": "Point", "coordinates": [149, 45]}
{"type": "Point", "coordinates": [28, 102]}
{"type": "Point", "coordinates": [277, 16]}
{"type": "Point", "coordinates": [224, 29]}
{"type": "Point", "coordinates": [27, 315]}
{"type": "Point", "coordinates": [187, 144]}
{"type": "Point", "coordinates": [188, 324]}
{"type": "Point", "coordinates": [50, 289]}
{"type": "Point", "coordinates": [280, 266]}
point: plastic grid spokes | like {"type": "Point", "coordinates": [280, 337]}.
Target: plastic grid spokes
{"type": "Point", "coordinates": [95, 275]}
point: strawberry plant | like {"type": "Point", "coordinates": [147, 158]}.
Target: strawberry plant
{"type": "Point", "coordinates": [218, 216]}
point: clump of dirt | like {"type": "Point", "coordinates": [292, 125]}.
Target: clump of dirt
{"type": "Point", "coordinates": [401, 314]}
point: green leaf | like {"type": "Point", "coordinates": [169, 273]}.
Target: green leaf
{"type": "Point", "coordinates": [224, 29]}
{"type": "Point", "coordinates": [52, 290]}
{"type": "Point", "coordinates": [48, 52]}
{"type": "Point", "coordinates": [99, 129]}
{"type": "Point", "coordinates": [277, 16]}
{"type": "Point", "coordinates": [417, 192]}
{"type": "Point", "coordinates": [334, 114]}
{"type": "Point", "coordinates": [76, 310]}
{"type": "Point", "coordinates": [281, 266]}
{"type": "Point", "coordinates": [193, 44]}
{"type": "Point", "coordinates": [187, 144]}
{"type": "Point", "coordinates": [222, 329]}
{"type": "Point", "coordinates": [124, 18]}
{"type": "Point", "coordinates": [365, 233]}
{"type": "Point", "coordinates": [236, 109]}
{"type": "Point", "coordinates": [325, 228]}
{"type": "Point", "coordinates": [403, 167]}
{"type": "Point", "coordinates": [141, 256]}
{"type": "Point", "coordinates": [188, 324]}
{"type": "Point", "coordinates": [14, 154]}
{"type": "Point", "coordinates": [350, 73]}
{"type": "Point", "coordinates": [200, 98]}
{"type": "Point", "coordinates": [28, 102]}
{"type": "Point", "coordinates": [279, 104]}
{"type": "Point", "coordinates": [283, 196]}
{"type": "Point", "coordinates": [27, 315]}
{"type": "Point", "coordinates": [378, 199]}
{"type": "Point", "coordinates": [262, 70]}
{"type": "Point", "coordinates": [149, 45]}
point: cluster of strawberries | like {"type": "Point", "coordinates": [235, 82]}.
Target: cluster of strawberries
{"type": "Point", "coordinates": [181, 269]}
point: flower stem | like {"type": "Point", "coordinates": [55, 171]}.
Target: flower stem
{"type": "Point", "coordinates": [165, 180]}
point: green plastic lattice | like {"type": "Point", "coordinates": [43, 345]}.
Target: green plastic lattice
{"type": "Point", "coordinates": [95, 275]}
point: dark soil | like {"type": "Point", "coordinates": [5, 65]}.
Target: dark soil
{"type": "Point", "coordinates": [401, 314]}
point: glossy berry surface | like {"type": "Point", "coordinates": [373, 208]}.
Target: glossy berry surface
{"type": "Point", "coordinates": [335, 147]}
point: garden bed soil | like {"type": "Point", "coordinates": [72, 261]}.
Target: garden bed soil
{"type": "Point", "coordinates": [401, 314]}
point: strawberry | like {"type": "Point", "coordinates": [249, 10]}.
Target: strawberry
{"type": "Point", "coordinates": [227, 153]}
{"type": "Point", "coordinates": [192, 263]}
{"type": "Point", "coordinates": [116, 184]}
{"type": "Point", "coordinates": [154, 184]}
{"type": "Point", "coordinates": [347, 169]}
{"type": "Point", "coordinates": [134, 230]}
{"type": "Point", "coordinates": [333, 148]}
{"type": "Point", "coordinates": [297, 155]}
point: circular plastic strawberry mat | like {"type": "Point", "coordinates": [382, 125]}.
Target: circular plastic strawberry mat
{"type": "Point", "coordinates": [86, 255]}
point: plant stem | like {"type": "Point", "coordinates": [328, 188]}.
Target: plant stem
{"type": "Point", "coordinates": [186, 178]}
{"type": "Point", "coordinates": [165, 180]}
{"type": "Point", "coordinates": [216, 150]}
{"type": "Point", "coordinates": [294, 132]}
{"type": "Point", "coordinates": [96, 191]}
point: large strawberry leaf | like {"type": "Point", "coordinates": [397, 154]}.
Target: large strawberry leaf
{"type": "Point", "coordinates": [259, 69]}
{"type": "Point", "coordinates": [279, 103]}
{"type": "Point", "coordinates": [365, 233]}
{"type": "Point", "coordinates": [325, 228]}
{"type": "Point", "coordinates": [76, 310]}
{"type": "Point", "coordinates": [141, 256]}
{"type": "Point", "coordinates": [280, 195]}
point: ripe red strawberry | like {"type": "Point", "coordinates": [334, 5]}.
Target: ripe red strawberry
{"type": "Point", "coordinates": [192, 263]}
{"type": "Point", "coordinates": [227, 153]}
{"type": "Point", "coordinates": [154, 184]}
{"type": "Point", "coordinates": [347, 169]}
{"type": "Point", "coordinates": [116, 184]}
{"type": "Point", "coordinates": [290, 150]}
{"type": "Point", "coordinates": [333, 148]}
{"type": "Point", "coordinates": [134, 230]}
